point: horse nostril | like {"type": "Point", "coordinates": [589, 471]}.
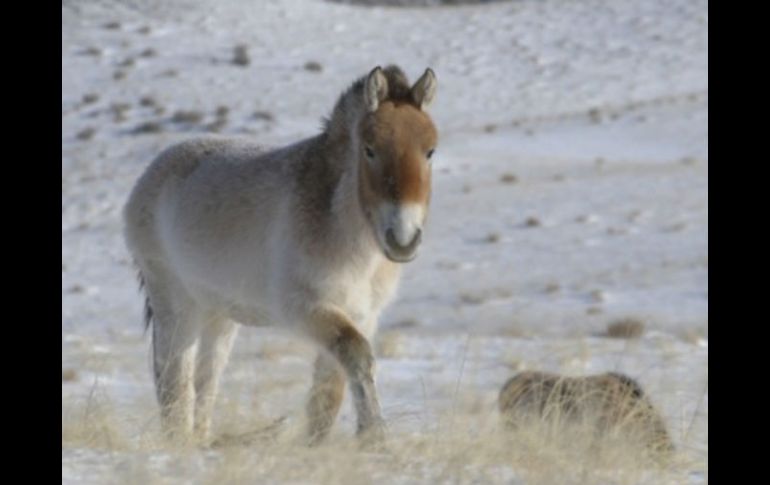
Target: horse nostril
{"type": "Point", "coordinates": [390, 238]}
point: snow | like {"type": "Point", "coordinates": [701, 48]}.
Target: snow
{"type": "Point", "coordinates": [599, 109]}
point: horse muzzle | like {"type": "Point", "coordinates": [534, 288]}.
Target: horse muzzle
{"type": "Point", "coordinates": [399, 253]}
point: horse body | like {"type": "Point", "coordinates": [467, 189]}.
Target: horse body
{"type": "Point", "coordinates": [309, 236]}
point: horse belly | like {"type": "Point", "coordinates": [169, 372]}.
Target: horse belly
{"type": "Point", "coordinates": [230, 258]}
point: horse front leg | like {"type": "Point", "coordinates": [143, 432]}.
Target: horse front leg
{"type": "Point", "coordinates": [337, 334]}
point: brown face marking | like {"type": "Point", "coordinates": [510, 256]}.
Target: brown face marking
{"type": "Point", "coordinates": [401, 136]}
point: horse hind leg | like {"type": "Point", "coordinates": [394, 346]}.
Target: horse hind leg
{"type": "Point", "coordinates": [325, 396]}
{"type": "Point", "coordinates": [216, 341]}
{"type": "Point", "coordinates": [176, 326]}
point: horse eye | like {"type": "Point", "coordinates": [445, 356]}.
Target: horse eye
{"type": "Point", "coordinates": [430, 153]}
{"type": "Point", "coordinates": [369, 152]}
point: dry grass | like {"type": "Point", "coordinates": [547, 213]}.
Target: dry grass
{"type": "Point", "coordinates": [85, 134]}
{"type": "Point", "coordinates": [222, 111]}
{"type": "Point", "coordinates": [119, 111]}
{"type": "Point", "coordinates": [187, 116]}
{"type": "Point", "coordinates": [90, 98]}
{"type": "Point", "coordinates": [148, 127]}
{"type": "Point", "coordinates": [552, 287]}
{"type": "Point", "coordinates": [259, 432]}
{"type": "Point", "coordinates": [467, 445]}
{"type": "Point", "coordinates": [625, 328]}
{"type": "Point", "coordinates": [313, 66]}
{"type": "Point", "coordinates": [470, 298]}
{"type": "Point", "coordinates": [91, 422]}
{"type": "Point", "coordinates": [508, 178]}
{"type": "Point", "coordinates": [597, 296]}
{"type": "Point", "coordinates": [92, 51]}
{"type": "Point", "coordinates": [148, 101]}
{"type": "Point", "coordinates": [605, 408]}
{"type": "Point", "coordinates": [69, 375]}
{"type": "Point", "coordinates": [533, 222]}
{"type": "Point", "coordinates": [263, 116]}
{"type": "Point", "coordinates": [241, 55]}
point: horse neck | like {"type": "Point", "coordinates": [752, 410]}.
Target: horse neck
{"type": "Point", "coordinates": [351, 229]}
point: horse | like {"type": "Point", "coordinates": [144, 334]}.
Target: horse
{"type": "Point", "coordinates": [310, 237]}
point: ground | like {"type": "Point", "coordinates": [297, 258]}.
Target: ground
{"type": "Point", "coordinates": [570, 192]}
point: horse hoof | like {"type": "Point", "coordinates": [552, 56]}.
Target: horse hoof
{"type": "Point", "coordinates": [372, 438]}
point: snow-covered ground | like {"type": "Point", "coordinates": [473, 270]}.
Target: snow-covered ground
{"type": "Point", "coordinates": [570, 191]}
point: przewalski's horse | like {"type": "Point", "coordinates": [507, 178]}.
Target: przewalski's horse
{"type": "Point", "coordinates": [308, 236]}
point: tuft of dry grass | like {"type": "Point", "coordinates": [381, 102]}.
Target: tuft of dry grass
{"type": "Point", "coordinates": [594, 310]}
{"type": "Point", "coordinates": [86, 134]}
{"type": "Point", "coordinates": [471, 298]}
{"type": "Point", "coordinates": [148, 127]}
{"type": "Point", "coordinates": [119, 110]}
{"type": "Point", "coordinates": [69, 375]}
{"type": "Point", "coordinates": [408, 322]}
{"type": "Point", "coordinates": [628, 328]}
{"type": "Point", "coordinates": [532, 222]}
{"type": "Point", "coordinates": [92, 51]}
{"type": "Point", "coordinates": [606, 408]}
{"type": "Point", "coordinates": [508, 178]}
{"type": "Point", "coordinates": [313, 66]}
{"type": "Point", "coordinates": [187, 116]}
{"type": "Point", "coordinates": [222, 111]}
{"type": "Point", "coordinates": [92, 423]}
{"type": "Point", "coordinates": [241, 55]}
{"type": "Point", "coordinates": [263, 116]}
{"type": "Point", "coordinates": [597, 296]}
{"type": "Point", "coordinates": [90, 98]}
{"type": "Point", "coordinates": [148, 101]}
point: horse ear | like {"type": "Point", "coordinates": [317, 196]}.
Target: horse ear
{"type": "Point", "coordinates": [424, 89]}
{"type": "Point", "coordinates": [375, 89]}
